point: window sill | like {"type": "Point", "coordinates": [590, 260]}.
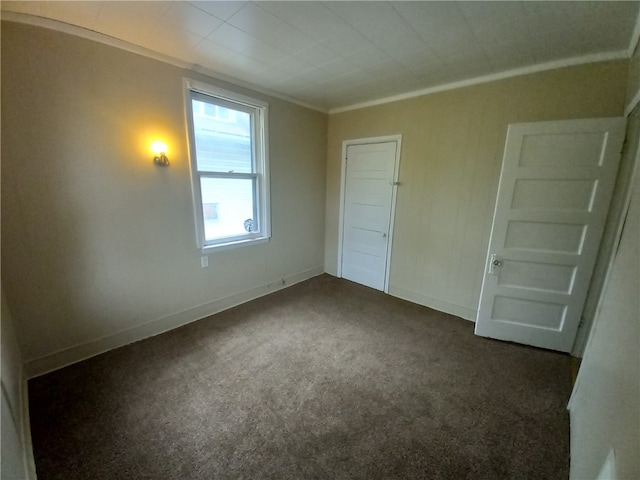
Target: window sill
{"type": "Point", "coordinates": [234, 244]}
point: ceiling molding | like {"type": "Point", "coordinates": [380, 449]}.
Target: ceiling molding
{"type": "Point", "coordinates": [145, 52]}
{"type": "Point", "coordinates": [567, 62]}
{"type": "Point", "coordinates": [132, 48]}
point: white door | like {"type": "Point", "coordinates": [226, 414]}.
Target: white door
{"type": "Point", "coordinates": [368, 199]}
{"type": "Point", "coordinates": [555, 187]}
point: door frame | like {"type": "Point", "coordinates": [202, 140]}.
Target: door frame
{"type": "Point", "coordinates": [343, 179]}
{"type": "Point", "coordinates": [620, 201]}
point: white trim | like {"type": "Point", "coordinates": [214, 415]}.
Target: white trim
{"type": "Point", "coordinates": [632, 104]}
{"type": "Point", "coordinates": [18, 411]}
{"type": "Point", "coordinates": [605, 284]}
{"type": "Point", "coordinates": [635, 36]}
{"type": "Point", "coordinates": [259, 131]}
{"type": "Point", "coordinates": [218, 247]}
{"type": "Point", "coordinates": [213, 90]}
{"type": "Point", "coordinates": [608, 468]}
{"type": "Point", "coordinates": [123, 45]}
{"type": "Point", "coordinates": [592, 58]}
{"type": "Point", "coordinates": [392, 222]}
{"type": "Point", "coordinates": [145, 52]}
{"type": "Point", "coordinates": [343, 178]}
{"type": "Point", "coordinates": [461, 311]}
{"type": "Point", "coordinates": [62, 358]}
{"type": "Point", "coordinates": [27, 443]}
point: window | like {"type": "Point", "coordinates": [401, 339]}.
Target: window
{"type": "Point", "coordinates": [227, 140]}
{"type": "Point", "coordinates": [214, 111]}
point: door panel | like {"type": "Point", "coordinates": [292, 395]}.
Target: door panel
{"type": "Point", "coordinates": [528, 312]}
{"type": "Point", "coordinates": [555, 195]}
{"type": "Point", "coordinates": [548, 277]}
{"type": "Point", "coordinates": [555, 187]}
{"type": "Point", "coordinates": [367, 212]}
{"type": "Point", "coordinates": [571, 149]}
{"type": "Point", "coordinates": [544, 237]}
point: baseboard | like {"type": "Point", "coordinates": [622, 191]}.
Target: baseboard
{"type": "Point", "coordinates": [29, 459]}
{"type": "Point", "coordinates": [68, 356]}
{"type": "Point", "coordinates": [440, 305]}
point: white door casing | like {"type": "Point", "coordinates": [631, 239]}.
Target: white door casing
{"type": "Point", "coordinates": [369, 180]}
{"type": "Point", "coordinates": [553, 197]}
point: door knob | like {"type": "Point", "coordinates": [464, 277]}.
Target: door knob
{"type": "Point", "coordinates": [494, 263]}
{"type": "Point", "coordinates": [384, 235]}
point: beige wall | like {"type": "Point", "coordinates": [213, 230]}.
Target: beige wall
{"type": "Point", "coordinates": [449, 169]}
{"type": "Point", "coordinates": [604, 408]}
{"type": "Point", "coordinates": [96, 240]}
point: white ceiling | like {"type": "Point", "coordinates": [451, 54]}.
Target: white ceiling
{"type": "Point", "coordinates": [335, 54]}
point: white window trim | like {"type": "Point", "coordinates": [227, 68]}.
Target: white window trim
{"type": "Point", "coordinates": [262, 155]}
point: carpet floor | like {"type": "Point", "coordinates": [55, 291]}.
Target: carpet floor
{"type": "Point", "coordinates": [326, 379]}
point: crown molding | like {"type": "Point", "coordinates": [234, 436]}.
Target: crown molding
{"type": "Point", "coordinates": [77, 31]}
{"type": "Point", "coordinates": [136, 49]}
{"type": "Point", "coordinates": [568, 62]}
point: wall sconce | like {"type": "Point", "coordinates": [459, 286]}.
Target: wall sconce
{"type": "Point", "coordinates": [160, 150]}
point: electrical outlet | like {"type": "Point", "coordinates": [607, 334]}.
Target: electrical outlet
{"type": "Point", "coordinates": [204, 262]}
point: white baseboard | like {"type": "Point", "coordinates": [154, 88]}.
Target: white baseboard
{"type": "Point", "coordinates": [27, 445]}
{"type": "Point", "coordinates": [440, 305]}
{"type": "Point", "coordinates": [62, 358]}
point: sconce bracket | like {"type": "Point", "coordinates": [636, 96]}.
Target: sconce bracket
{"type": "Point", "coordinates": [161, 160]}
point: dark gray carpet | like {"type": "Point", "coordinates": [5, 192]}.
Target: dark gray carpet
{"type": "Point", "coordinates": [326, 379]}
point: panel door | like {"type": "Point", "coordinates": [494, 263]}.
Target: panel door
{"type": "Point", "coordinates": [555, 188]}
{"type": "Point", "coordinates": [367, 212]}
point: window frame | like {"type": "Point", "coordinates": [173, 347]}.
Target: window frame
{"type": "Point", "coordinates": [258, 109]}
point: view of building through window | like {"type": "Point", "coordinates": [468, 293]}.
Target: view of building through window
{"type": "Point", "coordinates": [226, 164]}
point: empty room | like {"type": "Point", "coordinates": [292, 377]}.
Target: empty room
{"type": "Point", "coordinates": [308, 239]}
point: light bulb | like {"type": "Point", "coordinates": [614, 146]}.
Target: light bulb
{"type": "Point", "coordinates": [158, 148]}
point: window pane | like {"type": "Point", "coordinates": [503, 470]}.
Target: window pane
{"type": "Point", "coordinates": [227, 205]}
{"type": "Point", "coordinates": [223, 138]}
